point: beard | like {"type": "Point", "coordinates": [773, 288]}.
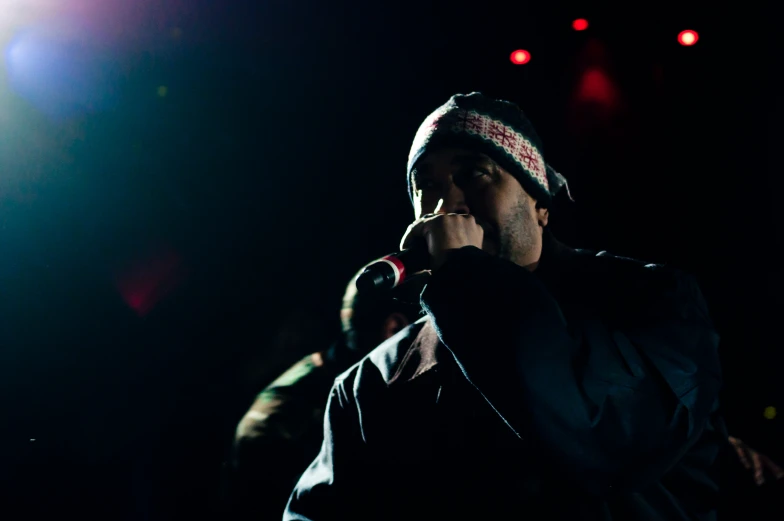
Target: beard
{"type": "Point", "coordinates": [517, 234]}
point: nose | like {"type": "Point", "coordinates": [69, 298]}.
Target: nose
{"type": "Point", "coordinates": [452, 201]}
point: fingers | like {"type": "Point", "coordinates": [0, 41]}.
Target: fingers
{"type": "Point", "coordinates": [757, 461]}
{"type": "Point", "coordinates": [743, 458]}
{"type": "Point", "coordinates": [739, 450]}
{"type": "Point", "coordinates": [413, 232]}
{"type": "Point", "coordinates": [753, 460]}
{"type": "Point", "coordinates": [431, 216]}
{"type": "Point", "coordinates": [416, 230]}
{"type": "Point", "coordinates": [419, 227]}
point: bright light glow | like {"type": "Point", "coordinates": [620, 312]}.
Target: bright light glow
{"type": "Point", "coordinates": [60, 69]}
{"type": "Point", "coordinates": [581, 24]}
{"type": "Point", "coordinates": [14, 13]}
{"type": "Point", "coordinates": [64, 57]}
{"type": "Point", "coordinates": [688, 37]}
{"type": "Point", "coordinates": [770, 412]}
{"type": "Point", "coordinates": [520, 57]}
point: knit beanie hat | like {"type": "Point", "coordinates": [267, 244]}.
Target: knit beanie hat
{"type": "Point", "coordinates": [496, 128]}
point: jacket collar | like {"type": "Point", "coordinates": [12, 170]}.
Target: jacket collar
{"type": "Point", "coordinates": [423, 354]}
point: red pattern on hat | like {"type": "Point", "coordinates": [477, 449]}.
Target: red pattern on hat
{"type": "Point", "coordinates": [462, 121]}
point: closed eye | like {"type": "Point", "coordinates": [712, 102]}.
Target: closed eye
{"type": "Point", "coordinates": [423, 184]}
{"type": "Point", "coordinates": [472, 174]}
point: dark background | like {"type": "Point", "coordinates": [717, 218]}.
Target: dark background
{"type": "Point", "coordinates": [165, 252]}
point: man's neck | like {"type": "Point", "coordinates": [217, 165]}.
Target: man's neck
{"type": "Point", "coordinates": [530, 260]}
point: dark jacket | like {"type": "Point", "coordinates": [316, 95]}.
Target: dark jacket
{"type": "Point", "coordinates": [584, 390]}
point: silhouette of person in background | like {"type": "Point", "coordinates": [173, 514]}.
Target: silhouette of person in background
{"type": "Point", "coordinates": [282, 431]}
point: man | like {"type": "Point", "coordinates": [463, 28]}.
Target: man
{"type": "Point", "coordinates": [544, 382]}
{"type": "Point", "coordinates": [282, 431]}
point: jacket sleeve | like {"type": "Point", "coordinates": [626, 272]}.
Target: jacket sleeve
{"type": "Point", "coordinates": [606, 405]}
{"type": "Point", "coordinates": [331, 487]}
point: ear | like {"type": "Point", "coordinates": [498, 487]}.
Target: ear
{"type": "Point", "coordinates": [543, 216]}
{"type": "Point", "coordinates": [393, 324]}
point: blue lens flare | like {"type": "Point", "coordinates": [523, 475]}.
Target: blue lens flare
{"type": "Point", "coordinates": [60, 69]}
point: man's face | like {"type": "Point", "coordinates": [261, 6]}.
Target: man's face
{"type": "Point", "coordinates": [462, 181]}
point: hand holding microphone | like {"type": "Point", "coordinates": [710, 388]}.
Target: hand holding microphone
{"type": "Point", "coordinates": [443, 234]}
{"type": "Point", "coordinates": [425, 245]}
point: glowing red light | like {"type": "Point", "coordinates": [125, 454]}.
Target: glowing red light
{"type": "Point", "coordinates": [581, 24]}
{"type": "Point", "coordinates": [596, 87]}
{"type": "Point", "coordinates": [688, 37]}
{"type": "Point", "coordinates": [146, 282]}
{"type": "Point", "coordinates": [520, 57]}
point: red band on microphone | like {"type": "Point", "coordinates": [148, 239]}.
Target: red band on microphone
{"type": "Point", "coordinates": [398, 267]}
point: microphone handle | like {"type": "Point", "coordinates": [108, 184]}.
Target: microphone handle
{"type": "Point", "coordinates": [393, 270]}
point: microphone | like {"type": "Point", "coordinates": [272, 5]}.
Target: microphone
{"type": "Point", "coordinates": [393, 270]}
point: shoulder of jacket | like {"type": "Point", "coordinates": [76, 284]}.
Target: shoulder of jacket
{"type": "Point", "coordinates": [383, 362]}
{"type": "Point", "coordinates": [654, 285]}
{"type": "Point", "coordinates": [631, 267]}
{"type": "Point", "coordinates": [305, 369]}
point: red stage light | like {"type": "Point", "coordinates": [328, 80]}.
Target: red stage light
{"type": "Point", "coordinates": [581, 24]}
{"type": "Point", "coordinates": [596, 87]}
{"type": "Point", "coordinates": [520, 57]}
{"type": "Point", "coordinates": [688, 37]}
